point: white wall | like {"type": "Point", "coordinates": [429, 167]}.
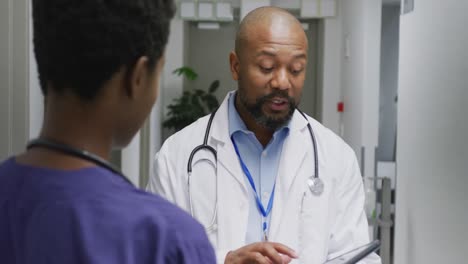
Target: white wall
{"type": "Point", "coordinates": [130, 160]}
{"type": "Point", "coordinates": [432, 150]}
{"type": "Point", "coordinates": [210, 63]}
{"type": "Point", "coordinates": [36, 104]}
{"type": "Point", "coordinates": [5, 119]}
{"type": "Point", "coordinates": [360, 76]}
{"type": "Point", "coordinates": [172, 85]}
{"type": "Point", "coordinates": [155, 135]}
{"type": "Point", "coordinates": [331, 69]}
{"type": "Point", "coordinates": [14, 81]}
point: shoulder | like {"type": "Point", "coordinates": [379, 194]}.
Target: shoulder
{"type": "Point", "coordinates": [174, 218]}
{"type": "Point", "coordinates": [188, 237]}
{"type": "Point", "coordinates": [145, 226]}
{"type": "Point", "coordinates": [8, 176]}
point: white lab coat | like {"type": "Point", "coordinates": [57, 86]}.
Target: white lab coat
{"type": "Point", "coordinates": [324, 227]}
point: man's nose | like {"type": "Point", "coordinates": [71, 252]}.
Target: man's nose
{"type": "Point", "coordinates": [281, 80]}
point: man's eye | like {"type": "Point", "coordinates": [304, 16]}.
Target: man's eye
{"type": "Point", "coordinates": [296, 71]}
{"type": "Point", "coordinates": [266, 69]}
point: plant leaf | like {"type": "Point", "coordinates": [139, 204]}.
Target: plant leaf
{"type": "Point", "coordinates": [214, 86]}
{"type": "Point", "coordinates": [187, 72]}
{"type": "Point", "coordinates": [192, 104]}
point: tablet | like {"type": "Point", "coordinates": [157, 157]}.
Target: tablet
{"type": "Point", "coordinates": [355, 255]}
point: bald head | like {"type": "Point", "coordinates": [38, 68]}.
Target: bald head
{"type": "Point", "coordinates": [265, 20]}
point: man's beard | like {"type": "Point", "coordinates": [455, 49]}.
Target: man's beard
{"type": "Point", "coordinates": [265, 120]}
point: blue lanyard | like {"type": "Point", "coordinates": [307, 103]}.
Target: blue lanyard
{"type": "Point", "coordinates": [264, 212]}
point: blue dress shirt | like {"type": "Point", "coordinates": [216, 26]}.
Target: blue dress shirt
{"type": "Point", "coordinates": [262, 164]}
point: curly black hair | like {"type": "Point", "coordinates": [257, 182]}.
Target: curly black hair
{"type": "Point", "coordinates": [80, 44]}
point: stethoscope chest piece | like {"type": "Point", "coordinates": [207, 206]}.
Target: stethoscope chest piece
{"type": "Point", "coordinates": [315, 185]}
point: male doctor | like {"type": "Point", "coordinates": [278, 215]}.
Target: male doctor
{"type": "Point", "coordinates": [254, 199]}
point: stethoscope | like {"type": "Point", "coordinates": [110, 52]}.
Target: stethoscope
{"type": "Point", "coordinates": [314, 182]}
{"type": "Point", "coordinates": [75, 152]}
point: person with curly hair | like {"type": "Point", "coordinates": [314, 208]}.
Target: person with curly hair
{"type": "Point", "coordinates": [99, 64]}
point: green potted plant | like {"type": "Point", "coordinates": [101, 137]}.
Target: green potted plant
{"type": "Point", "coordinates": [192, 104]}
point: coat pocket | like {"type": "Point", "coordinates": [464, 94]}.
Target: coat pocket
{"type": "Point", "coordinates": [314, 227]}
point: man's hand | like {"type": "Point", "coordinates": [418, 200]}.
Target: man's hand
{"type": "Point", "coordinates": [262, 252]}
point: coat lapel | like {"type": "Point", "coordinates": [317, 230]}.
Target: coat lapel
{"type": "Point", "coordinates": [293, 156]}
{"type": "Point", "coordinates": [220, 137]}
{"type": "Point", "coordinates": [232, 198]}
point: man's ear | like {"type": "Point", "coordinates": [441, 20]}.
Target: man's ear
{"type": "Point", "coordinates": [137, 77]}
{"type": "Point", "coordinates": [234, 65]}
